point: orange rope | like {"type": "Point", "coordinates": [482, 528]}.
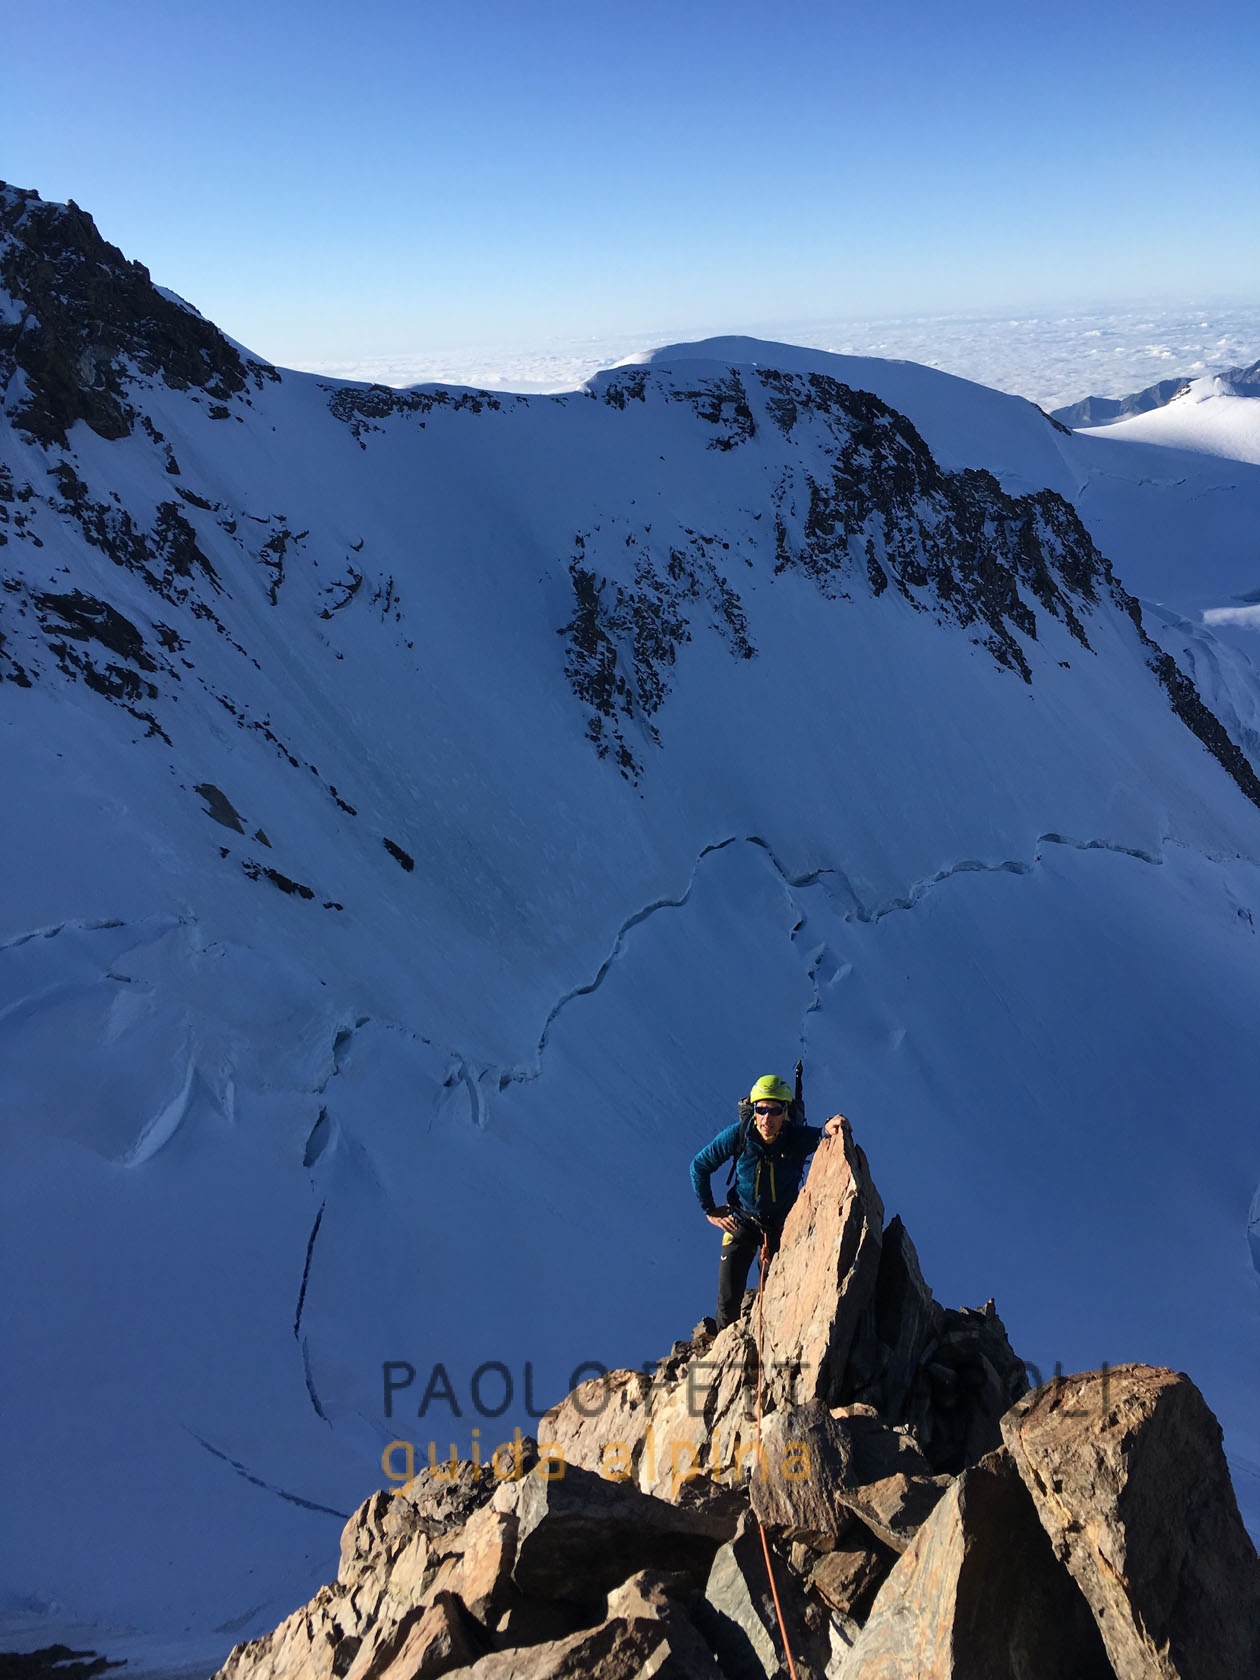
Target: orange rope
{"type": "Point", "coordinates": [763, 1259]}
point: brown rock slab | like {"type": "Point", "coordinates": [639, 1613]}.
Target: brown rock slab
{"type": "Point", "coordinates": [820, 1469]}
{"type": "Point", "coordinates": [601, 1425]}
{"type": "Point", "coordinates": [306, 1646]}
{"type": "Point", "coordinates": [655, 1595]}
{"type": "Point", "coordinates": [823, 1277]}
{"type": "Point", "coordinates": [1126, 1471]}
{"type": "Point", "coordinates": [662, 1431]}
{"type": "Point", "coordinates": [805, 1468]}
{"type": "Point", "coordinates": [622, 1648]}
{"type": "Point", "coordinates": [979, 1595]}
{"type": "Point", "coordinates": [580, 1536]}
{"type": "Point", "coordinates": [896, 1507]}
{"type": "Point", "coordinates": [848, 1578]}
{"type": "Point", "coordinates": [480, 1565]}
{"type": "Point", "coordinates": [428, 1643]}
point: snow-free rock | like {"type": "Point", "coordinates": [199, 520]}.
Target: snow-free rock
{"type": "Point", "coordinates": [1127, 1475]}
{"type": "Point", "coordinates": [739, 1617]}
{"type": "Point", "coordinates": [979, 1592]}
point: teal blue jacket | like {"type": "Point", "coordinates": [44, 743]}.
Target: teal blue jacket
{"type": "Point", "coordinates": [768, 1176]}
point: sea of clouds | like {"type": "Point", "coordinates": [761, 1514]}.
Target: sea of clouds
{"type": "Point", "coordinates": [1053, 358]}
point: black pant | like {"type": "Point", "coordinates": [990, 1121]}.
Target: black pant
{"type": "Point", "coordinates": [738, 1249]}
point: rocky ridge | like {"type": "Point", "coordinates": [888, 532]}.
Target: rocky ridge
{"type": "Point", "coordinates": [923, 1513]}
{"type": "Point", "coordinates": [84, 321]}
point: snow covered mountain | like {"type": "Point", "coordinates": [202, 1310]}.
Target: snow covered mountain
{"type": "Point", "coordinates": [1102, 411]}
{"type": "Point", "coordinates": [1214, 415]}
{"type": "Point", "coordinates": [427, 811]}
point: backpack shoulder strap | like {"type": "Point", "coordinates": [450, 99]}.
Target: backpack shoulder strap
{"type": "Point", "coordinates": [746, 1116]}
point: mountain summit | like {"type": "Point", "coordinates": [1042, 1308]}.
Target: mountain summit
{"type": "Point", "coordinates": [426, 811]}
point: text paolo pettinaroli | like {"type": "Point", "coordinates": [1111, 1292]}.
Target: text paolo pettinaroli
{"type": "Point", "coordinates": [680, 1460]}
{"type": "Point", "coordinates": [589, 1395]}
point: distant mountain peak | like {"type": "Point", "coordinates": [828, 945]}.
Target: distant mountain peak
{"type": "Point", "coordinates": [1101, 411]}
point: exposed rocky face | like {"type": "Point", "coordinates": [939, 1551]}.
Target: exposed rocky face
{"type": "Point", "coordinates": [88, 319]}
{"type": "Point", "coordinates": [879, 514]}
{"type": "Point", "coordinates": [1149, 1533]}
{"type": "Point", "coordinates": [946, 1525]}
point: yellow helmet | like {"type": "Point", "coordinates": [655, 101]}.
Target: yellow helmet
{"type": "Point", "coordinates": [770, 1088]}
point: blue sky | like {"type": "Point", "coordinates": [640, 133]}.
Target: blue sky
{"type": "Point", "coordinates": [333, 181]}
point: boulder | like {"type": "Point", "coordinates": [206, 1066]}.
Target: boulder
{"type": "Point", "coordinates": [1127, 1475]}
{"type": "Point", "coordinates": [654, 1594]}
{"type": "Point", "coordinates": [619, 1649]}
{"type": "Point", "coordinates": [896, 1507]}
{"type": "Point", "coordinates": [316, 1642]}
{"type": "Point", "coordinates": [819, 1469]}
{"type": "Point", "coordinates": [969, 1377]}
{"type": "Point", "coordinates": [399, 1552]}
{"type": "Point", "coordinates": [580, 1535]}
{"type": "Point", "coordinates": [644, 1631]}
{"type": "Point", "coordinates": [805, 1470]}
{"type": "Point", "coordinates": [425, 1644]}
{"type": "Point", "coordinates": [479, 1559]}
{"type": "Point", "coordinates": [704, 1421]}
{"type": "Point", "coordinates": [979, 1593]}
{"type": "Point", "coordinates": [601, 1425]}
{"type": "Point", "coordinates": [738, 1619]}
{"type": "Point", "coordinates": [848, 1578]}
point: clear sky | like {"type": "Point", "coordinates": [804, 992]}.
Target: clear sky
{"type": "Point", "coordinates": [330, 180]}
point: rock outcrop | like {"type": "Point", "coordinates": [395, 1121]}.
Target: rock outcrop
{"type": "Point", "coordinates": [87, 322]}
{"type": "Point", "coordinates": [851, 1464]}
{"type": "Point", "coordinates": [1127, 1475]}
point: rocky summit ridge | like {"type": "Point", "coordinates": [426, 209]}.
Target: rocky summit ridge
{"type": "Point", "coordinates": [924, 1513]}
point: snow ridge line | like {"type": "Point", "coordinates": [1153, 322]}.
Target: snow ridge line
{"type": "Point", "coordinates": [268, 1487]}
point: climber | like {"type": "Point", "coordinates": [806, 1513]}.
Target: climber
{"type": "Point", "coordinates": [769, 1145]}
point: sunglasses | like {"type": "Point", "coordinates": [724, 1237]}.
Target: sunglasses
{"type": "Point", "coordinates": [769, 1108]}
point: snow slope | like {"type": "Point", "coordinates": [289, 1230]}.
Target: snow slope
{"type": "Point", "coordinates": [427, 811]}
{"type": "Point", "coordinates": [1212, 416]}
